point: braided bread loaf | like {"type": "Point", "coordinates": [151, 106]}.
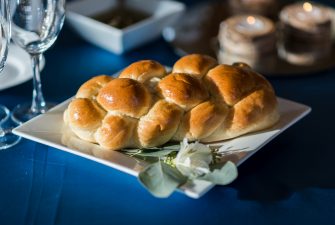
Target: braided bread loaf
{"type": "Point", "coordinates": [145, 107]}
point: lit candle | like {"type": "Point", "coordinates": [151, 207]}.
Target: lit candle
{"type": "Point", "coordinates": [247, 35]}
{"type": "Point", "coordinates": [250, 24]}
{"type": "Point", "coordinates": [308, 12]}
{"type": "Point", "coordinates": [306, 16]}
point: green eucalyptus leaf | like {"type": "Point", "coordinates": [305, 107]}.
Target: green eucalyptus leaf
{"type": "Point", "coordinates": [153, 151]}
{"type": "Point", "coordinates": [161, 179]}
{"type": "Point", "coordinates": [175, 145]}
{"type": "Point", "coordinates": [222, 176]}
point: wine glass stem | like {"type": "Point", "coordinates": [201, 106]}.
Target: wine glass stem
{"type": "Point", "coordinates": [38, 104]}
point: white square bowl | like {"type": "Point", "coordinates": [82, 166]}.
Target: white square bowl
{"type": "Point", "coordinates": [163, 13]}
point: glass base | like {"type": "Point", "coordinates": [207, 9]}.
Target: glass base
{"type": "Point", "coordinates": [7, 138]}
{"type": "Point", "coordinates": [22, 113]}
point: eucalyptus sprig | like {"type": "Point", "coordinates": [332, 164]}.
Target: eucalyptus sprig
{"type": "Point", "coordinates": [157, 152]}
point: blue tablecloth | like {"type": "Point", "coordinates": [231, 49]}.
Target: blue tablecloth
{"type": "Point", "coordinates": [290, 181]}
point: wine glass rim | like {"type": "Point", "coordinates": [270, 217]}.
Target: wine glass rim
{"type": "Point", "coordinates": [6, 110]}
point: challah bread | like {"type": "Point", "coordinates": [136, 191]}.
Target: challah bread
{"type": "Point", "coordinates": [146, 107]}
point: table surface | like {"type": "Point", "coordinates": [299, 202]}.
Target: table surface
{"type": "Point", "coordinates": [289, 181]}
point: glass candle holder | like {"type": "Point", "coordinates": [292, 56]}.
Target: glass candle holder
{"type": "Point", "coordinates": [305, 30]}
{"type": "Point", "coordinates": [250, 37]}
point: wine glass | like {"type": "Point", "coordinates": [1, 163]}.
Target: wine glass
{"type": "Point", "coordinates": [7, 138]}
{"type": "Point", "coordinates": [35, 27]}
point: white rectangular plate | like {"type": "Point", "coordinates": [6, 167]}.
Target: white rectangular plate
{"type": "Point", "coordinates": [49, 129]}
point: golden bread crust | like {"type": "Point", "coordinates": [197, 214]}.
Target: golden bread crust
{"type": "Point", "coordinates": [160, 124]}
{"type": "Point", "coordinates": [183, 90]}
{"type": "Point", "coordinates": [91, 88]}
{"type": "Point", "coordinates": [143, 71]}
{"type": "Point", "coordinates": [84, 117]}
{"type": "Point", "coordinates": [201, 121]}
{"type": "Point", "coordinates": [85, 113]}
{"type": "Point", "coordinates": [196, 65]}
{"type": "Point", "coordinates": [116, 132]}
{"type": "Point", "coordinates": [125, 96]}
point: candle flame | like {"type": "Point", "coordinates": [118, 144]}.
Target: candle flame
{"type": "Point", "coordinates": [308, 7]}
{"type": "Point", "coordinates": [251, 20]}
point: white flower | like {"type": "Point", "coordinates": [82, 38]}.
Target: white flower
{"type": "Point", "coordinates": [193, 159]}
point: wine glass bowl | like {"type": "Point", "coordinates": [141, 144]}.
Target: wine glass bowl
{"type": "Point", "coordinates": [7, 138]}
{"type": "Point", "coordinates": [4, 32]}
{"type": "Point", "coordinates": [35, 27]}
{"type": "Point", "coordinates": [37, 23]}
